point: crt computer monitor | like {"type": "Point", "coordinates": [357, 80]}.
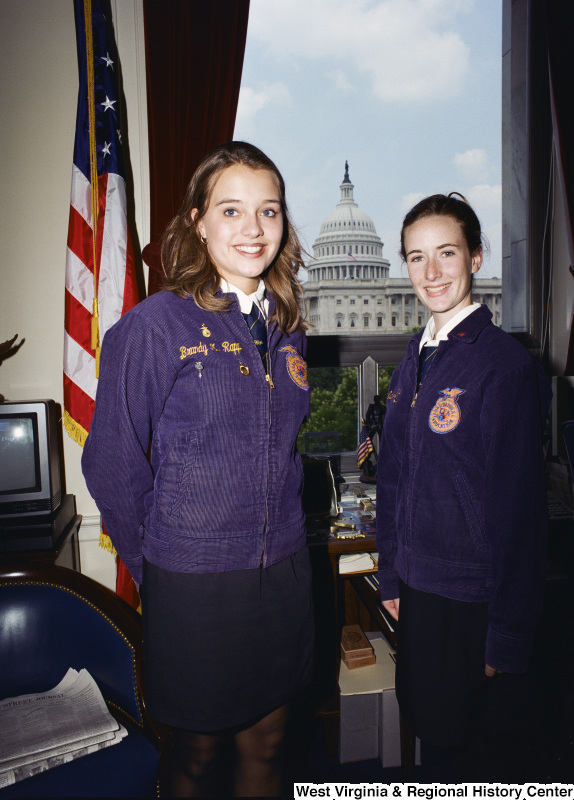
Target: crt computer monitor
{"type": "Point", "coordinates": [30, 469]}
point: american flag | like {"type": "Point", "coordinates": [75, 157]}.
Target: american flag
{"type": "Point", "coordinates": [365, 446]}
{"type": "Point", "coordinates": [99, 258]}
{"type": "Point", "coordinates": [351, 256]}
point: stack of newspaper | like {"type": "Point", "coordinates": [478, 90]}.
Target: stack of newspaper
{"type": "Point", "coordinates": [357, 562]}
{"type": "Point", "coordinates": [41, 731]}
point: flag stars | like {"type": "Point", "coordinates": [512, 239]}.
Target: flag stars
{"type": "Point", "coordinates": [106, 149]}
{"type": "Point", "coordinates": [107, 60]}
{"type": "Point", "coordinates": [107, 104]}
{"type": "Point", "coordinates": [118, 131]}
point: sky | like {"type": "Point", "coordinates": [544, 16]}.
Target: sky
{"type": "Point", "coordinates": [407, 91]}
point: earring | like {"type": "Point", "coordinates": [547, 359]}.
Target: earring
{"type": "Point", "coordinates": [203, 240]}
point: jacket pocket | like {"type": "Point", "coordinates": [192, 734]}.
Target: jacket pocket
{"type": "Point", "coordinates": [469, 506]}
{"type": "Point", "coordinates": [180, 468]}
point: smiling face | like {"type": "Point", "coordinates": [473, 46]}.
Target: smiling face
{"type": "Point", "coordinates": [243, 225]}
{"type": "Point", "coordinates": [440, 265]}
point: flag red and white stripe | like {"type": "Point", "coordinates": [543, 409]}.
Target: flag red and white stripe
{"type": "Point", "coordinates": [117, 289]}
{"type": "Point", "coordinates": [99, 258]}
{"type": "Point", "coordinates": [365, 447]}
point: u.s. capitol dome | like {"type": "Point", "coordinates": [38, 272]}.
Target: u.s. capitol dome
{"type": "Point", "coordinates": [349, 290]}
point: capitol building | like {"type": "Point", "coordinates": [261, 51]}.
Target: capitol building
{"type": "Point", "coordinates": [349, 290]}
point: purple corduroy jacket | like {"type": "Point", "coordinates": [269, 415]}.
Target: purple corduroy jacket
{"type": "Point", "coordinates": [461, 501]}
{"type": "Point", "coordinates": [222, 487]}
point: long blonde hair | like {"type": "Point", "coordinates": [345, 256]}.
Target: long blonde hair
{"type": "Point", "coordinates": [185, 258]}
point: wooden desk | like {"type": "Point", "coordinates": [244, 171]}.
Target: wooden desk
{"type": "Point", "coordinates": [351, 599]}
{"type": "Point", "coordinates": [346, 598]}
{"type": "Point", "coordinates": [64, 553]}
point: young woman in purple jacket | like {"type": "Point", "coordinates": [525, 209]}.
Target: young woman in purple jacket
{"type": "Point", "coordinates": [461, 502]}
{"type": "Point", "coordinates": [191, 458]}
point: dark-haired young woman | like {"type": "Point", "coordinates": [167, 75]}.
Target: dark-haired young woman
{"type": "Point", "coordinates": [461, 504]}
{"type": "Point", "coordinates": [192, 461]}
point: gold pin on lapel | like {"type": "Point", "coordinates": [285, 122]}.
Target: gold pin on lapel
{"type": "Point", "coordinates": [243, 369]}
{"type": "Point", "coordinates": [205, 330]}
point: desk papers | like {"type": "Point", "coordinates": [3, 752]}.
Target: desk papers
{"type": "Point", "coordinates": [357, 562]}
{"type": "Point", "coordinates": [42, 731]}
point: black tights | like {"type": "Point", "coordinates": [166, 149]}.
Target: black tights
{"type": "Point", "coordinates": [197, 767]}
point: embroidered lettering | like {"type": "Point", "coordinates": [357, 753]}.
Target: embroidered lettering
{"type": "Point", "coordinates": [184, 352]}
{"type": "Point", "coordinates": [296, 367]}
{"type": "Point", "coordinates": [445, 414]}
{"type": "Point", "coordinates": [231, 347]}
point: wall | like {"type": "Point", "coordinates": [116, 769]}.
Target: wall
{"type": "Point", "coordinates": [38, 95]}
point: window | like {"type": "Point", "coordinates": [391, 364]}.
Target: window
{"type": "Point", "coordinates": [384, 379]}
{"type": "Point", "coordinates": [372, 359]}
{"type": "Point", "coordinates": [366, 301]}
{"type": "Point", "coordinates": [334, 410]}
{"type": "Point", "coordinates": [365, 322]}
{"type": "Point", "coordinates": [327, 204]}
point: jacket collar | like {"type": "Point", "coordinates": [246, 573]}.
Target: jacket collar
{"type": "Point", "coordinates": [235, 303]}
{"type": "Point", "coordinates": [466, 331]}
{"type": "Point", "coordinates": [470, 328]}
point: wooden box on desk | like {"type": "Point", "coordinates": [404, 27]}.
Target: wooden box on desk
{"type": "Point", "coordinates": [369, 722]}
{"type": "Point", "coordinates": [356, 650]}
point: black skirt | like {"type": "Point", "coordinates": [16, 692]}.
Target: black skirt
{"type": "Point", "coordinates": [224, 649]}
{"type": "Point", "coordinates": [440, 680]}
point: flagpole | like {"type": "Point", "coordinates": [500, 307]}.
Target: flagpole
{"type": "Point", "coordinates": [93, 173]}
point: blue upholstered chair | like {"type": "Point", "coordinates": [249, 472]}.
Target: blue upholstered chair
{"type": "Point", "coordinates": [51, 619]}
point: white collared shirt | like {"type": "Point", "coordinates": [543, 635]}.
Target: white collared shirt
{"type": "Point", "coordinates": [431, 338]}
{"type": "Point", "coordinates": [246, 300]}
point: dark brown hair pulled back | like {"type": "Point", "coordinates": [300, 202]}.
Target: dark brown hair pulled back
{"type": "Point", "coordinates": [442, 205]}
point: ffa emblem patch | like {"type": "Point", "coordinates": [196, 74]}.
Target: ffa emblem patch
{"type": "Point", "coordinates": [445, 414]}
{"type": "Point", "coordinates": [296, 367]}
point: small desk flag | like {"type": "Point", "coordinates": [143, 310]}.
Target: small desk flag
{"type": "Point", "coordinates": [365, 446]}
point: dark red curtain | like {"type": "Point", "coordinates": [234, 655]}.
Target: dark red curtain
{"type": "Point", "coordinates": [194, 59]}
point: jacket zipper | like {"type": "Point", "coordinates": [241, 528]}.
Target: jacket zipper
{"type": "Point", "coordinates": [268, 376]}
{"type": "Point", "coordinates": [412, 450]}
{"type": "Point", "coordinates": [266, 481]}
{"type": "Point", "coordinates": [271, 385]}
